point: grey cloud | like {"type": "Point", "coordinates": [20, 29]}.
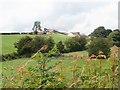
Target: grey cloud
{"type": "Point", "coordinates": [63, 16]}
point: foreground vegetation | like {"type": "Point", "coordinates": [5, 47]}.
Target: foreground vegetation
{"type": "Point", "coordinates": [69, 71]}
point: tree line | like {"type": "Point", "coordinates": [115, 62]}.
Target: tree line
{"type": "Point", "coordinates": [101, 39]}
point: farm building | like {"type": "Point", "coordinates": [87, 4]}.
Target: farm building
{"type": "Point", "coordinates": [73, 34]}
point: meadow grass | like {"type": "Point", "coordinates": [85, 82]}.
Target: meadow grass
{"type": "Point", "coordinates": [68, 62]}
{"type": "Point", "coordinates": [68, 65]}
{"type": "Point", "coordinates": [8, 43]}
{"type": "Point", "coordinates": [58, 37]}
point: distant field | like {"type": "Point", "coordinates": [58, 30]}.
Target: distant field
{"type": "Point", "coordinates": [8, 43]}
{"type": "Point", "coordinates": [9, 40]}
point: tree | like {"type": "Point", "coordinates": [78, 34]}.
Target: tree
{"type": "Point", "coordinates": [99, 44]}
{"type": "Point", "coordinates": [107, 32]}
{"type": "Point", "coordinates": [60, 47]}
{"type": "Point", "coordinates": [101, 32]}
{"type": "Point", "coordinates": [114, 37]}
{"type": "Point", "coordinates": [24, 46]}
{"type": "Point", "coordinates": [117, 30]}
{"type": "Point", "coordinates": [50, 42]}
{"type": "Point", "coordinates": [37, 43]}
{"type": "Point", "coordinates": [36, 27]}
{"type": "Point", "coordinates": [75, 44]}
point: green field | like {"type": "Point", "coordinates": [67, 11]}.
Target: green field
{"type": "Point", "coordinates": [9, 68]}
{"type": "Point", "coordinates": [19, 62]}
{"type": "Point", "coordinates": [9, 40]}
{"type": "Point", "coordinates": [8, 43]}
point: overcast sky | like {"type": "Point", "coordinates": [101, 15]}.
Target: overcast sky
{"type": "Point", "coordinates": [64, 15]}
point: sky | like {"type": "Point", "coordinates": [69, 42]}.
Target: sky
{"type": "Point", "coordinates": [63, 15]}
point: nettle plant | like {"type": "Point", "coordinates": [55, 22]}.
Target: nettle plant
{"type": "Point", "coordinates": [45, 75]}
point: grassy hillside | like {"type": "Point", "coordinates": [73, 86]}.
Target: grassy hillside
{"type": "Point", "coordinates": [58, 37]}
{"type": "Point", "coordinates": [8, 43]}
{"type": "Point", "coordinates": [9, 40]}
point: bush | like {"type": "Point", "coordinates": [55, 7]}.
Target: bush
{"type": "Point", "coordinates": [50, 43]}
{"type": "Point", "coordinates": [27, 46]}
{"type": "Point", "coordinates": [54, 52]}
{"type": "Point", "coordinates": [114, 38]}
{"type": "Point", "coordinates": [99, 44]}
{"type": "Point", "coordinates": [24, 46]}
{"type": "Point", "coordinates": [75, 44]}
{"type": "Point", "coordinates": [60, 47]}
{"type": "Point", "coordinates": [9, 56]}
{"type": "Point", "coordinates": [37, 43]}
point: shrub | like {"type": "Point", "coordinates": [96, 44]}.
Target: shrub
{"type": "Point", "coordinates": [27, 46]}
{"type": "Point", "coordinates": [9, 56]}
{"type": "Point", "coordinates": [24, 46]}
{"type": "Point", "coordinates": [114, 38]}
{"type": "Point", "coordinates": [99, 44]}
{"type": "Point", "coordinates": [75, 44]}
{"type": "Point", "coordinates": [60, 47]}
{"type": "Point", "coordinates": [54, 52]}
{"type": "Point", "coordinates": [37, 43]}
{"type": "Point", "coordinates": [50, 43]}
